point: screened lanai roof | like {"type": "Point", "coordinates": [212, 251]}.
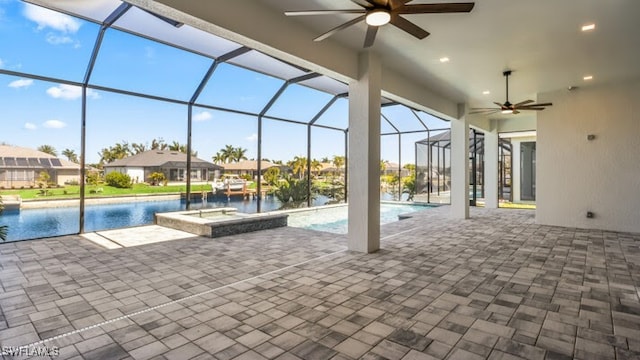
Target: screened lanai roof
{"type": "Point", "coordinates": [206, 57]}
{"type": "Point", "coordinates": [476, 140]}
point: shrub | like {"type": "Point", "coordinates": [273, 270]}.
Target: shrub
{"type": "Point", "coordinates": [93, 178]}
{"type": "Point", "coordinates": [292, 193]}
{"type": "Point", "coordinates": [118, 180]}
{"type": "Point", "coordinates": [271, 175]}
{"type": "Point", "coordinates": [156, 178]}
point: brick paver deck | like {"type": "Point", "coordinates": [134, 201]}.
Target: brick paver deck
{"type": "Point", "coordinates": [496, 286]}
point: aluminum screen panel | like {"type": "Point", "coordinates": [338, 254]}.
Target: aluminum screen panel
{"type": "Point", "coordinates": [142, 66]}
{"type": "Point", "coordinates": [326, 84]}
{"type": "Point", "coordinates": [337, 115]}
{"type": "Point", "coordinates": [233, 87]}
{"type": "Point", "coordinates": [96, 10]}
{"type": "Point", "coordinates": [402, 118]}
{"type": "Point", "coordinates": [185, 36]}
{"type": "Point", "coordinates": [299, 103]}
{"type": "Point", "coordinates": [265, 64]}
{"type": "Point", "coordinates": [40, 41]}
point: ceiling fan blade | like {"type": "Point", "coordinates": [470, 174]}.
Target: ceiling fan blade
{"type": "Point", "coordinates": [484, 111]}
{"type": "Point", "coordinates": [500, 105]}
{"type": "Point", "coordinates": [408, 26]}
{"type": "Point", "coordinates": [363, 3]}
{"type": "Point", "coordinates": [531, 108]}
{"type": "Point", "coordinates": [339, 27]}
{"type": "Point", "coordinates": [523, 103]}
{"type": "Point", "coordinates": [371, 36]}
{"type": "Point", "coordinates": [435, 8]}
{"type": "Point", "coordinates": [324, 12]}
{"type": "Point", "coordinates": [539, 105]}
{"type": "Point", "coordinates": [395, 4]}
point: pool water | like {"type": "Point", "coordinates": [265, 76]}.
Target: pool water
{"type": "Point", "coordinates": [334, 219]}
{"type": "Point", "coordinates": [46, 222]}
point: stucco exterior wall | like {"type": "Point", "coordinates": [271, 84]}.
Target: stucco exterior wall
{"type": "Point", "coordinates": [576, 175]}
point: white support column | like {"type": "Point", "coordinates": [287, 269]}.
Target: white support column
{"type": "Point", "coordinates": [491, 167]}
{"type": "Point", "coordinates": [460, 166]}
{"type": "Point", "coordinates": [364, 156]}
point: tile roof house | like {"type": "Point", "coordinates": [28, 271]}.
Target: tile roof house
{"type": "Point", "coordinates": [172, 164]}
{"type": "Point", "coordinates": [21, 167]}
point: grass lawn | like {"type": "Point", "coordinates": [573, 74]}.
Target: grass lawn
{"type": "Point", "coordinates": [73, 191]}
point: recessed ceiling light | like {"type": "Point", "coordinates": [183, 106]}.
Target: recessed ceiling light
{"type": "Point", "coordinates": [588, 27]}
{"type": "Point", "coordinates": [486, 92]}
{"type": "Point", "coordinates": [444, 59]}
{"type": "Point", "coordinates": [588, 77]}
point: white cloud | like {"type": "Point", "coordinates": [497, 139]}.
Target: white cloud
{"type": "Point", "coordinates": [54, 39]}
{"type": "Point", "coordinates": [20, 83]}
{"type": "Point", "coordinates": [46, 18]}
{"type": "Point", "coordinates": [70, 92]}
{"type": "Point", "coordinates": [54, 124]}
{"type": "Point", "coordinates": [1, 63]}
{"type": "Point", "coordinates": [202, 116]}
{"type": "Point", "coordinates": [30, 126]}
{"type": "Point", "coordinates": [252, 137]}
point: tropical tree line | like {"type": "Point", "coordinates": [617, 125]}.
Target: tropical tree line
{"type": "Point", "coordinates": [120, 150]}
{"type": "Point", "coordinates": [124, 149]}
{"type": "Point", "coordinates": [229, 154]}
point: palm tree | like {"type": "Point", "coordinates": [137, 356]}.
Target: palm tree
{"type": "Point", "coordinates": [218, 158]}
{"type": "Point", "coordinates": [338, 161]}
{"type": "Point", "coordinates": [48, 149]}
{"type": "Point", "coordinates": [227, 153]}
{"type": "Point", "coordinates": [158, 144]}
{"type": "Point", "coordinates": [315, 165]}
{"type": "Point", "coordinates": [70, 155]}
{"type": "Point", "coordinates": [138, 148]}
{"type": "Point", "coordinates": [239, 154]}
{"type": "Point", "coordinates": [299, 165]}
{"type": "Point", "coordinates": [118, 151]}
{"type": "Point", "coordinates": [175, 146]}
{"type": "Point", "coordinates": [383, 165]}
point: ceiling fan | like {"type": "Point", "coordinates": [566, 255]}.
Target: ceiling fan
{"type": "Point", "coordinates": [509, 108]}
{"type": "Point", "coordinates": [377, 13]}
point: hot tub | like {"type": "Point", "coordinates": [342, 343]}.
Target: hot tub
{"type": "Point", "coordinates": [219, 222]}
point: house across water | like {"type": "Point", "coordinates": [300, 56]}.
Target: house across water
{"type": "Point", "coordinates": [22, 167]}
{"type": "Point", "coordinates": [172, 164]}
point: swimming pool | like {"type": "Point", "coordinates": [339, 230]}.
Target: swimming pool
{"type": "Point", "coordinates": [333, 219]}
{"type": "Point", "coordinates": [45, 222]}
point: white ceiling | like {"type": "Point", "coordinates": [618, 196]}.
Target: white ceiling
{"type": "Point", "coordinates": [540, 40]}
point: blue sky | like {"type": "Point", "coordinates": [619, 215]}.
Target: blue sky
{"type": "Point", "coordinates": [42, 42]}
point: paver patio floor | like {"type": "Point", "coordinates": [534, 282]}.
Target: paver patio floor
{"type": "Point", "coordinates": [496, 286]}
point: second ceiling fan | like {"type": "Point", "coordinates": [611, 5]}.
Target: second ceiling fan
{"type": "Point", "coordinates": [381, 12]}
{"type": "Point", "coordinates": [509, 108]}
